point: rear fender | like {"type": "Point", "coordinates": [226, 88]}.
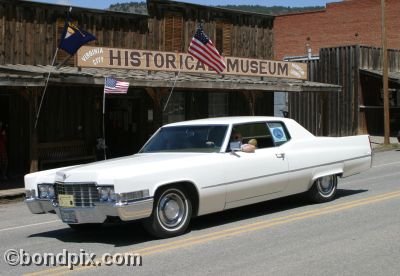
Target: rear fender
{"type": "Point", "coordinates": [333, 171]}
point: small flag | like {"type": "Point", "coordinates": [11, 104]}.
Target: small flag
{"type": "Point", "coordinates": [73, 38]}
{"type": "Point", "coordinates": [113, 86]}
{"type": "Point", "coordinates": [204, 50]}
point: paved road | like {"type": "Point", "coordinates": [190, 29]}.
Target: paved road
{"type": "Point", "coordinates": [356, 234]}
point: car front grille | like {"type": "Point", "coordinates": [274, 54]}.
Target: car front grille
{"type": "Point", "coordinates": [85, 194]}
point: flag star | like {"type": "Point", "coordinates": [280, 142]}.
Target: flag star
{"type": "Point", "coordinates": [201, 36]}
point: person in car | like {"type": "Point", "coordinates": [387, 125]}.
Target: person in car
{"type": "Point", "coordinates": [236, 136]}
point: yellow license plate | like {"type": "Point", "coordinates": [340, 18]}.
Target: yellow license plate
{"type": "Point", "coordinates": [66, 200]}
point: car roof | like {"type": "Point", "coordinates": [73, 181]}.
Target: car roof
{"type": "Point", "coordinates": [227, 120]}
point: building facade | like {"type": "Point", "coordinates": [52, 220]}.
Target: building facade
{"type": "Point", "coordinates": [64, 121]}
{"type": "Point", "coordinates": [341, 46]}
{"type": "Point", "coordinates": [343, 23]}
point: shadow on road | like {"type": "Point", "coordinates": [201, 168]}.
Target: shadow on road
{"type": "Point", "coordinates": [343, 193]}
{"type": "Point", "coordinates": [118, 234]}
{"type": "Point", "coordinates": [261, 209]}
{"type": "Point", "coordinates": [124, 234]}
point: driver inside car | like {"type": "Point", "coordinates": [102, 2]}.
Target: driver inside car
{"type": "Point", "coordinates": [236, 136]}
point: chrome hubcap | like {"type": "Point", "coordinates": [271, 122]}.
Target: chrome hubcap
{"type": "Point", "coordinates": [326, 185]}
{"type": "Point", "coordinates": [172, 209]}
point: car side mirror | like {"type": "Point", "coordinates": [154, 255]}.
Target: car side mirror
{"type": "Point", "coordinates": [235, 146]}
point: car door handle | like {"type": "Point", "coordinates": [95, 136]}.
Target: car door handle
{"type": "Point", "coordinates": [280, 155]}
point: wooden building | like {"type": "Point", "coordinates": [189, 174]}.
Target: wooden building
{"type": "Point", "coordinates": [344, 36]}
{"type": "Point", "coordinates": [359, 108]}
{"type": "Point", "coordinates": [70, 119]}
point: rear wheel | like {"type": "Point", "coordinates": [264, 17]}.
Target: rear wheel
{"type": "Point", "coordinates": [323, 189]}
{"type": "Point", "coordinates": [171, 213]}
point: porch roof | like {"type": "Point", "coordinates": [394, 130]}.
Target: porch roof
{"type": "Point", "coordinates": [30, 75]}
{"type": "Point", "coordinates": [393, 76]}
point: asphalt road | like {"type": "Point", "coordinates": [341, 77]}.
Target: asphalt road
{"type": "Point", "coordinates": [356, 234]}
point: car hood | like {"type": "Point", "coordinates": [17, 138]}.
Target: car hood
{"type": "Point", "coordinates": [107, 172]}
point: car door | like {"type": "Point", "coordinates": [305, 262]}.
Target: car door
{"type": "Point", "coordinates": [254, 177]}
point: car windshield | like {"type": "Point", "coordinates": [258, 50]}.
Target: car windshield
{"type": "Point", "coordinates": [199, 138]}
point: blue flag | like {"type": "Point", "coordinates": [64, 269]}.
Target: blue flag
{"type": "Point", "coordinates": [73, 38]}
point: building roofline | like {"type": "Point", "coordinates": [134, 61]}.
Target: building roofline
{"type": "Point", "coordinates": [300, 13]}
{"type": "Point", "coordinates": [231, 11]}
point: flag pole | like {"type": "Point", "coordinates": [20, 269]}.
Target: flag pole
{"type": "Point", "coordinates": [45, 88]}
{"type": "Point", "coordinates": [104, 128]}
{"type": "Point", "coordinates": [172, 89]}
{"type": "Point", "coordinates": [176, 78]}
{"type": "Point", "coordinates": [63, 62]}
{"type": "Point", "coordinates": [47, 79]}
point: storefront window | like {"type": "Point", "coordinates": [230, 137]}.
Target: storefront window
{"type": "Point", "coordinates": [217, 104]}
{"type": "Point", "coordinates": [175, 110]}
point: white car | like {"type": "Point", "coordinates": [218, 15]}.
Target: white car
{"type": "Point", "coordinates": [194, 168]}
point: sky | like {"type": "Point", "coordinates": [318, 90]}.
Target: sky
{"type": "Point", "coordinates": [103, 4]}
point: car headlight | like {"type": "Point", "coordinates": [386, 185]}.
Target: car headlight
{"type": "Point", "coordinates": [46, 191]}
{"type": "Point", "coordinates": [106, 193]}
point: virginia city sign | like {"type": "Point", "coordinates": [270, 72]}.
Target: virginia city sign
{"type": "Point", "coordinates": [169, 61]}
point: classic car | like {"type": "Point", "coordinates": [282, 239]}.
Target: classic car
{"type": "Point", "coordinates": [197, 167]}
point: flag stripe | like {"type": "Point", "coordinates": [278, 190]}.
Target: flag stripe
{"type": "Point", "coordinates": [113, 86]}
{"type": "Point", "coordinates": [205, 61]}
{"type": "Point", "coordinates": [209, 55]}
{"type": "Point", "coordinates": [211, 47]}
{"type": "Point", "coordinates": [215, 57]}
{"type": "Point", "coordinates": [200, 58]}
{"type": "Point", "coordinates": [202, 48]}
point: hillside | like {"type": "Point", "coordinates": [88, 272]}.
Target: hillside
{"type": "Point", "coordinates": [141, 8]}
{"type": "Point", "coordinates": [274, 10]}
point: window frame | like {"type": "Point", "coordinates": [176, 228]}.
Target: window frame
{"type": "Point", "coordinates": [285, 130]}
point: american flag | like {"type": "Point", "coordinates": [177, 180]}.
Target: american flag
{"type": "Point", "coordinates": [113, 86]}
{"type": "Point", "coordinates": [204, 50]}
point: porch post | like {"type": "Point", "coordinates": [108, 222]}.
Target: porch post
{"type": "Point", "coordinates": [33, 107]}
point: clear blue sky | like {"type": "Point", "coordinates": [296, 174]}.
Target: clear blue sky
{"type": "Point", "coordinates": [103, 4]}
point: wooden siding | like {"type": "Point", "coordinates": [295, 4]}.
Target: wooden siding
{"type": "Point", "coordinates": [241, 34]}
{"type": "Point", "coordinates": [371, 115]}
{"type": "Point", "coordinates": [30, 32]}
{"type": "Point", "coordinates": [65, 111]}
{"type": "Point", "coordinates": [334, 114]}
{"type": "Point", "coordinates": [173, 32]}
{"type": "Point", "coordinates": [371, 58]}
{"type": "Point", "coordinates": [338, 114]}
{"type": "Point", "coordinates": [224, 38]}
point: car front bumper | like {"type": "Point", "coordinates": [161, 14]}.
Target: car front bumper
{"type": "Point", "coordinates": [94, 214]}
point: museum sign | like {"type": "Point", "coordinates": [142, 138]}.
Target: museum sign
{"type": "Point", "coordinates": [169, 61]}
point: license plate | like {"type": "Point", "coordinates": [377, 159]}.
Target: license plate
{"type": "Point", "coordinates": [68, 216]}
{"type": "Point", "coordinates": [66, 200]}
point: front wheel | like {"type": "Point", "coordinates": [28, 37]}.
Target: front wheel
{"type": "Point", "coordinates": [171, 213]}
{"type": "Point", "coordinates": [323, 189]}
